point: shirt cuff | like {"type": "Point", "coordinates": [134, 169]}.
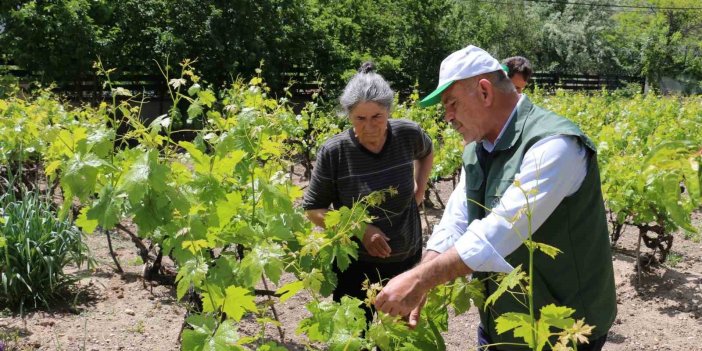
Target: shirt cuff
{"type": "Point", "coordinates": [439, 242]}
{"type": "Point", "coordinates": [479, 255]}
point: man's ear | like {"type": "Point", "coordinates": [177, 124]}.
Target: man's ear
{"type": "Point", "coordinates": [487, 92]}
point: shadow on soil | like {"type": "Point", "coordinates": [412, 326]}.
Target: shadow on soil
{"type": "Point", "coordinates": [680, 292]}
{"type": "Point", "coordinates": [615, 338]}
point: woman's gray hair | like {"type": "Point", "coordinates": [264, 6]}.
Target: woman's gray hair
{"type": "Point", "coordinates": [366, 86]}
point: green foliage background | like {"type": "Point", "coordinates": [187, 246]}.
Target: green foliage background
{"type": "Point", "coordinates": [326, 40]}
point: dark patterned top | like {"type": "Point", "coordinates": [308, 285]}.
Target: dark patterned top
{"type": "Point", "coordinates": [345, 171]}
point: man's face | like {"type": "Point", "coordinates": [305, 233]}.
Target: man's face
{"type": "Point", "coordinates": [464, 109]}
{"type": "Point", "coordinates": [519, 82]}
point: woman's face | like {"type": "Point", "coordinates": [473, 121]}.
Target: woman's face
{"type": "Point", "coordinates": [370, 123]}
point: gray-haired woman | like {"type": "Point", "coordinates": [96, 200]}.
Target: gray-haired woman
{"type": "Point", "coordinates": [375, 154]}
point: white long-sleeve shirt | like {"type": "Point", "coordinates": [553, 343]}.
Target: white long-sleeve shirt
{"type": "Point", "coordinates": [555, 165]}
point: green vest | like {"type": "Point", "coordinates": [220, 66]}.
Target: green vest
{"type": "Point", "coordinates": [582, 276]}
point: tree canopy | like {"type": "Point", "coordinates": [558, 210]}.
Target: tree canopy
{"type": "Point", "coordinates": [327, 40]}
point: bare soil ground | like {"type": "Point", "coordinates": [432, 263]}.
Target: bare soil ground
{"type": "Point", "coordinates": [109, 311]}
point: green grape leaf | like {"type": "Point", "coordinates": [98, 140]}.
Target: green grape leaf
{"type": "Point", "coordinates": [508, 282]}
{"type": "Point", "coordinates": [266, 258]}
{"type": "Point", "coordinates": [224, 271]}
{"type": "Point", "coordinates": [275, 198]}
{"type": "Point", "coordinates": [271, 346]}
{"type": "Point", "coordinates": [195, 246]}
{"type": "Point", "coordinates": [202, 323]}
{"type": "Point", "coordinates": [135, 181]}
{"type": "Point", "coordinates": [212, 297]}
{"type": "Point", "coordinates": [192, 271]}
{"type": "Point", "coordinates": [313, 280]}
{"type": "Point", "coordinates": [51, 168]}
{"type": "Point", "coordinates": [289, 290]}
{"type": "Point", "coordinates": [251, 270]}
{"type": "Point", "coordinates": [389, 331]}
{"type": "Point", "coordinates": [332, 218]}
{"type": "Point", "coordinates": [204, 337]}
{"type": "Point", "coordinates": [208, 188]}
{"type": "Point", "coordinates": [549, 250]}
{"type": "Point", "coordinates": [519, 322]}
{"type": "Point", "coordinates": [224, 166]}
{"type": "Point", "coordinates": [159, 173]}
{"type": "Point", "coordinates": [464, 292]}
{"type": "Point", "coordinates": [107, 208]}
{"type": "Point", "coordinates": [336, 322]}
{"type": "Point", "coordinates": [311, 242]}
{"type": "Point", "coordinates": [318, 326]}
{"type": "Point", "coordinates": [670, 195]}
{"type": "Point", "coordinates": [440, 343]}
{"type": "Point", "coordinates": [346, 342]}
{"type": "Point", "coordinates": [329, 282]}
{"type": "Point", "coordinates": [193, 341]}
{"type": "Point", "coordinates": [194, 110]}
{"type": "Point", "coordinates": [407, 346]}
{"type": "Point", "coordinates": [246, 234]}
{"type": "Point", "coordinates": [226, 209]}
{"type": "Point", "coordinates": [80, 174]}
{"type": "Point", "coordinates": [557, 316]}
{"type": "Point", "coordinates": [87, 225]}
{"type": "Point", "coordinates": [225, 338]}
{"type": "Point", "coordinates": [237, 301]}
{"type": "Point", "coordinates": [153, 211]}
{"type": "Point", "coordinates": [344, 253]}
{"type": "Point", "coordinates": [202, 161]}
{"type": "Point", "coordinates": [206, 97]}
{"type": "Point", "coordinates": [274, 268]}
{"type": "Point", "coordinates": [100, 141]}
{"type": "Point", "coordinates": [277, 228]}
{"type": "Point", "coordinates": [295, 192]}
{"type": "Point", "coordinates": [194, 89]}
{"type": "Point", "coordinates": [196, 339]}
{"type": "Point", "coordinates": [271, 147]}
{"type": "Point", "coordinates": [476, 291]}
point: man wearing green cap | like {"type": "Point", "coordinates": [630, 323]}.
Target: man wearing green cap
{"type": "Point", "coordinates": [513, 145]}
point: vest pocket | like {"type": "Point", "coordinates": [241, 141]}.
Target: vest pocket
{"type": "Point", "coordinates": [474, 177]}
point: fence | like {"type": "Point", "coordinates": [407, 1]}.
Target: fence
{"type": "Point", "coordinates": [154, 88]}
{"type": "Point", "coordinates": [552, 81]}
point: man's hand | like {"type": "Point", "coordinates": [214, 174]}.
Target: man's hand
{"type": "Point", "coordinates": [376, 242]}
{"type": "Point", "coordinates": [413, 318]}
{"type": "Point", "coordinates": [404, 295]}
{"type": "Point", "coordinates": [401, 295]}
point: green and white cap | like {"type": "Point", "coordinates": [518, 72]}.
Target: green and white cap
{"type": "Point", "coordinates": [468, 62]}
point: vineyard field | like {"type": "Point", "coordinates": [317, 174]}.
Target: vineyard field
{"type": "Point", "coordinates": [210, 250]}
{"type": "Point", "coordinates": [120, 314]}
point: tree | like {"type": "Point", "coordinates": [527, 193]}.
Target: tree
{"type": "Point", "coordinates": [572, 39]}
{"type": "Point", "coordinates": [56, 39]}
{"type": "Point", "coordinates": [663, 41]}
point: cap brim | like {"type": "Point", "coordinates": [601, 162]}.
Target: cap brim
{"type": "Point", "coordinates": [435, 97]}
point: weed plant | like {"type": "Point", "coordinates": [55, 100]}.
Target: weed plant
{"type": "Point", "coordinates": [35, 247]}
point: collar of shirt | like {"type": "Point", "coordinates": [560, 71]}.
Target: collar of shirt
{"type": "Point", "coordinates": [487, 145]}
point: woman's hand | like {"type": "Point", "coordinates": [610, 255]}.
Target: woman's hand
{"type": "Point", "coordinates": [376, 242]}
{"type": "Point", "coordinates": [418, 194]}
